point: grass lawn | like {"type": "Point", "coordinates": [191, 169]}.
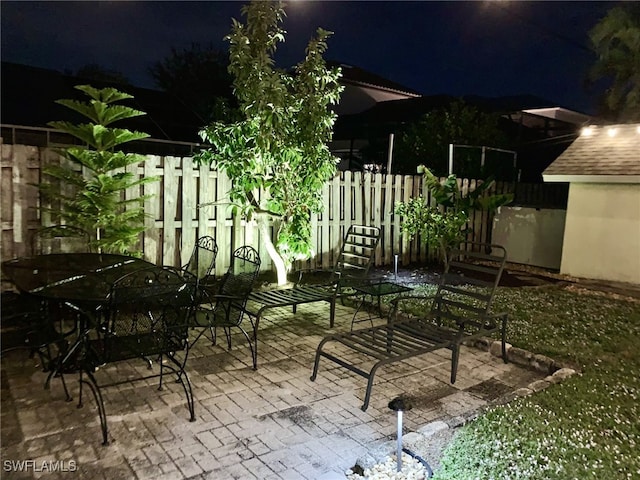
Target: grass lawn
{"type": "Point", "coordinates": [588, 427]}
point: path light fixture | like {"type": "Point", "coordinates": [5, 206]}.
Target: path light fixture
{"type": "Point", "coordinates": [395, 273]}
{"type": "Point", "coordinates": [399, 405]}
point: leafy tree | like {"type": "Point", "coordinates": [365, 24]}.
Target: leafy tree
{"type": "Point", "coordinates": [616, 42]}
{"type": "Point", "coordinates": [447, 193]}
{"type": "Point", "coordinates": [96, 202]}
{"type": "Point", "coordinates": [199, 77]}
{"type": "Point", "coordinates": [277, 155]}
{"type": "Point", "coordinates": [437, 228]}
{"type": "Point", "coordinates": [427, 140]}
{"type": "Point", "coordinates": [444, 227]}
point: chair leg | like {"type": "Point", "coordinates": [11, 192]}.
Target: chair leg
{"type": "Point", "coordinates": [254, 358]}
{"type": "Point", "coordinates": [68, 397]}
{"type": "Point", "coordinates": [367, 395]}
{"type": "Point", "coordinates": [316, 363]}
{"type": "Point", "coordinates": [97, 395]}
{"type": "Point", "coordinates": [227, 332]}
{"type": "Point", "coordinates": [161, 373]}
{"type": "Point", "coordinates": [183, 378]}
{"type": "Point", "coordinates": [504, 339]}
{"type": "Point", "coordinates": [455, 355]}
{"type": "Point", "coordinates": [332, 312]}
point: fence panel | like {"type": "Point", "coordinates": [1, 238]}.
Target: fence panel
{"type": "Point", "coordinates": [190, 201]}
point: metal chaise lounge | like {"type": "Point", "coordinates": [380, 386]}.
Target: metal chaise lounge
{"type": "Point", "coordinates": [460, 310]}
{"type": "Point", "coordinates": [351, 268]}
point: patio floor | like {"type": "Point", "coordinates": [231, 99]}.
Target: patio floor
{"type": "Point", "coordinates": [272, 423]}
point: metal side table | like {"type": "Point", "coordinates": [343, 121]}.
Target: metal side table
{"type": "Point", "coordinates": [376, 289]}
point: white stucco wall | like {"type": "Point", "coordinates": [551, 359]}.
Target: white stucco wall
{"type": "Point", "coordinates": [602, 232]}
{"type": "Point", "coordinates": [531, 236]}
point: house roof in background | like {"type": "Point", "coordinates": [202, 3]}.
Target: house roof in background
{"type": "Point", "coordinates": [411, 109]}
{"type": "Point", "coordinates": [562, 114]}
{"type": "Point", "coordinates": [360, 77]}
{"type": "Point", "coordinates": [602, 153]}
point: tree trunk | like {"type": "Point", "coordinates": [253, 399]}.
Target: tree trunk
{"type": "Point", "coordinates": [281, 267]}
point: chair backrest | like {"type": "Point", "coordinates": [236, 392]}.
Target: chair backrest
{"type": "Point", "coordinates": [203, 257]}
{"type": "Point", "coordinates": [238, 283]}
{"type": "Point", "coordinates": [148, 314]}
{"type": "Point", "coordinates": [469, 283]}
{"type": "Point", "coordinates": [356, 254]}
{"type": "Point", "coordinates": [60, 239]}
{"type": "Point", "coordinates": [243, 270]}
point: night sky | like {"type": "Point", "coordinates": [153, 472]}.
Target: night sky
{"type": "Point", "coordinates": [488, 48]}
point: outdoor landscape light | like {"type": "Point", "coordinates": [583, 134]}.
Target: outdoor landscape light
{"type": "Point", "coordinates": [399, 405]}
{"type": "Point", "coordinates": [395, 267]}
{"type": "Point", "coordinates": [612, 132]}
{"type": "Point", "coordinates": [586, 131]}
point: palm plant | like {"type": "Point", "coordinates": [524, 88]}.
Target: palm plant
{"type": "Point", "coordinates": [616, 42]}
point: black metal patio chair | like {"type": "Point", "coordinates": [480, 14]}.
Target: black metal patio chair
{"type": "Point", "coordinates": [352, 264]}
{"type": "Point", "coordinates": [200, 265]}
{"type": "Point", "coordinates": [203, 258]}
{"type": "Point", "coordinates": [226, 308]}
{"type": "Point", "coordinates": [40, 327]}
{"type": "Point", "coordinates": [60, 239]}
{"type": "Point", "coordinates": [148, 316]}
{"type": "Point", "coordinates": [353, 261]}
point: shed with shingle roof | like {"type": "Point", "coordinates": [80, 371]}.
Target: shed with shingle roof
{"type": "Point", "coordinates": [601, 154]}
{"type": "Point", "coordinates": [602, 228]}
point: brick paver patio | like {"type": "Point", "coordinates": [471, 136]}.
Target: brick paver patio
{"type": "Point", "coordinates": [272, 423]}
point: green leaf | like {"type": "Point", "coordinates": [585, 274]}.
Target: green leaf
{"type": "Point", "coordinates": [106, 95]}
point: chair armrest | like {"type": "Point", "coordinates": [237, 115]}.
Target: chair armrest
{"type": "Point", "coordinates": [215, 298]}
{"type": "Point", "coordinates": [307, 271]}
{"type": "Point", "coordinates": [396, 302]}
{"type": "Point", "coordinates": [401, 298]}
{"type": "Point", "coordinates": [486, 322]}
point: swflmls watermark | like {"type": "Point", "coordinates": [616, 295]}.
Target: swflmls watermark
{"type": "Point", "coordinates": [39, 466]}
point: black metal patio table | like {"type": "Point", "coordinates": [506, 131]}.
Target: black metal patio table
{"type": "Point", "coordinates": [85, 278]}
{"type": "Point", "coordinates": [81, 280]}
{"type": "Point", "coordinates": [124, 308]}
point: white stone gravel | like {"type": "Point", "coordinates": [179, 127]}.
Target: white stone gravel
{"type": "Point", "coordinates": [412, 469]}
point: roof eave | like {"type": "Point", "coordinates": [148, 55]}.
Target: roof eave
{"type": "Point", "coordinates": [591, 178]}
{"type": "Point", "coordinates": [378, 87]}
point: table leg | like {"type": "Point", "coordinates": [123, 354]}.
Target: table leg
{"type": "Point", "coordinates": [362, 302]}
{"type": "Point", "coordinates": [255, 339]}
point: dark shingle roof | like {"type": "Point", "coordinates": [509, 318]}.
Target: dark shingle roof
{"type": "Point", "coordinates": [604, 150]}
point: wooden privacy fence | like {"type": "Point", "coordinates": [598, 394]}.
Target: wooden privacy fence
{"type": "Point", "coordinates": [191, 200]}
